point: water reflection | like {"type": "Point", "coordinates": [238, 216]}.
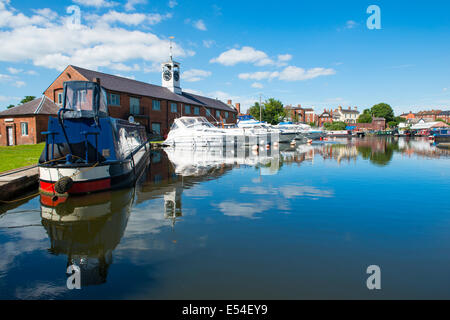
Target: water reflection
{"type": "Point", "coordinates": [223, 210]}
{"type": "Point", "coordinates": [87, 230]}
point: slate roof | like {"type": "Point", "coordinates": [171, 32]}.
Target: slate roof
{"type": "Point", "coordinates": [130, 86]}
{"type": "Point", "coordinates": [444, 113]}
{"type": "Point", "coordinates": [41, 105]}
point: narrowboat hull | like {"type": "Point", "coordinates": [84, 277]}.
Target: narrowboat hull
{"type": "Point", "coordinates": [89, 178]}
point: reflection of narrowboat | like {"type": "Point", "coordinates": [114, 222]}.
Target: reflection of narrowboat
{"type": "Point", "coordinates": [440, 136]}
{"type": "Point", "coordinates": [88, 151]}
{"type": "Point", "coordinates": [87, 229]}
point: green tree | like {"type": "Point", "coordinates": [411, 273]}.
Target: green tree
{"type": "Point", "coordinates": [254, 110]}
{"type": "Point", "coordinates": [10, 106]}
{"type": "Point", "coordinates": [272, 111]}
{"type": "Point", "coordinates": [365, 117]}
{"type": "Point", "coordinates": [383, 110]}
{"type": "Point", "coordinates": [27, 99]}
{"type": "Point", "coordinates": [335, 126]}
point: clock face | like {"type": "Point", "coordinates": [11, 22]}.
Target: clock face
{"type": "Point", "coordinates": [167, 75]}
{"type": "Point", "coordinates": [176, 76]}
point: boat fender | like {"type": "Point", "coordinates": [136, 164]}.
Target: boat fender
{"type": "Point", "coordinates": [63, 185]}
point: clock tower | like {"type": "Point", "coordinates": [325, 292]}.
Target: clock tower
{"type": "Point", "coordinates": [171, 76]}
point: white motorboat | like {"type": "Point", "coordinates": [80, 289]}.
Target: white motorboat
{"type": "Point", "coordinates": [193, 132]}
{"type": "Point", "coordinates": [303, 131]}
{"type": "Point", "coordinates": [281, 135]}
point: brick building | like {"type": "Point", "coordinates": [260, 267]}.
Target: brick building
{"type": "Point", "coordinates": [154, 106]}
{"type": "Point", "coordinates": [300, 114]}
{"type": "Point", "coordinates": [444, 115]}
{"type": "Point", "coordinates": [325, 116]}
{"type": "Point", "coordinates": [346, 115]}
{"type": "Point", "coordinates": [25, 123]}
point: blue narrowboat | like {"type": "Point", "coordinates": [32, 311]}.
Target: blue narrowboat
{"type": "Point", "coordinates": [87, 150]}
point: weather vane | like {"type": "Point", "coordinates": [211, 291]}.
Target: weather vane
{"type": "Point", "coordinates": [171, 39]}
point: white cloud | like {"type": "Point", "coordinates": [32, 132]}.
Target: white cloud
{"type": "Point", "coordinates": [129, 19]}
{"type": "Point", "coordinates": [208, 43]}
{"type": "Point", "coordinates": [19, 84]}
{"type": "Point", "coordinates": [243, 55]}
{"type": "Point", "coordinates": [5, 77]}
{"type": "Point", "coordinates": [260, 75]}
{"type": "Point", "coordinates": [350, 24]}
{"type": "Point", "coordinates": [290, 73]}
{"type": "Point", "coordinates": [257, 85]}
{"type": "Point", "coordinates": [200, 25]}
{"type": "Point", "coordinates": [54, 44]}
{"type": "Point", "coordinates": [194, 75]}
{"type": "Point", "coordinates": [96, 3]}
{"type": "Point", "coordinates": [284, 57]}
{"type": "Point", "coordinates": [129, 6]}
{"type": "Point", "coordinates": [172, 3]}
{"type": "Point", "coordinates": [14, 70]}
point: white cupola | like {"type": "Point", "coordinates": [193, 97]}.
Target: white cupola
{"type": "Point", "coordinates": [170, 75]}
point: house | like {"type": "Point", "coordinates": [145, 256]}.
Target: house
{"type": "Point", "coordinates": [408, 116]}
{"type": "Point", "coordinates": [430, 115]}
{"type": "Point", "coordinates": [154, 106]}
{"type": "Point", "coordinates": [346, 115]}
{"type": "Point", "coordinates": [444, 115]}
{"type": "Point", "coordinates": [325, 116]}
{"type": "Point", "coordinates": [25, 123]}
{"type": "Point", "coordinates": [300, 114]}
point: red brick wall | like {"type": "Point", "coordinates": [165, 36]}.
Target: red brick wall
{"type": "Point", "coordinates": [69, 74]}
{"type": "Point", "coordinates": [17, 132]}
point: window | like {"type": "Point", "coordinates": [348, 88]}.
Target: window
{"type": "Point", "coordinates": [156, 105]}
{"type": "Point", "coordinates": [173, 107]}
{"type": "Point", "coordinates": [226, 114]}
{"type": "Point", "coordinates": [156, 127]}
{"type": "Point", "coordinates": [208, 112]}
{"type": "Point", "coordinates": [187, 109]}
{"type": "Point", "coordinates": [60, 98]}
{"type": "Point", "coordinates": [113, 99]}
{"type": "Point", "coordinates": [196, 110]}
{"type": "Point", "coordinates": [24, 128]}
{"type": "Point", "coordinates": [134, 105]}
{"type": "Point", "coordinates": [217, 113]}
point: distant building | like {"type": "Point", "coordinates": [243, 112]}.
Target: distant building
{"type": "Point", "coordinates": [408, 116]}
{"type": "Point", "coordinates": [346, 115]}
{"type": "Point", "coordinates": [300, 114]}
{"type": "Point", "coordinates": [430, 115]}
{"type": "Point", "coordinates": [444, 115]}
{"type": "Point", "coordinates": [377, 124]}
{"type": "Point", "coordinates": [325, 117]}
{"type": "Point", "coordinates": [25, 123]}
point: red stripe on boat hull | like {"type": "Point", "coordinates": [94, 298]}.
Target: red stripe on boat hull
{"type": "Point", "coordinates": [79, 187]}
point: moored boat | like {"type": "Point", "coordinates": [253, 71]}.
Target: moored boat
{"type": "Point", "coordinates": [87, 150]}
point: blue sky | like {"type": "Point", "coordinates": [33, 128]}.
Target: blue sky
{"type": "Point", "coordinates": [313, 53]}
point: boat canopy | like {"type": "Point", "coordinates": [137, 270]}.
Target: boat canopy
{"type": "Point", "coordinates": [83, 99]}
{"type": "Point", "coordinates": [191, 122]}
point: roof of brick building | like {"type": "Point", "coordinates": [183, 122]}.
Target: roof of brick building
{"type": "Point", "coordinates": [126, 85]}
{"type": "Point", "coordinates": [42, 105]}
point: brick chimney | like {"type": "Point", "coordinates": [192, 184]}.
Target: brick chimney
{"type": "Point", "coordinates": [238, 108]}
{"type": "Point", "coordinates": [230, 102]}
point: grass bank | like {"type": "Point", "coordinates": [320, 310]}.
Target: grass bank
{"type": "Point", "coordinates": [19, 156]}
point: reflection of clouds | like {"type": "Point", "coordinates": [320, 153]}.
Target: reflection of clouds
{"type": "Point", "coordinates": [289, 191]}
{"type": "Point", "coordinates": [26, 239]}
{"type": "Point", "coordinates": [197, 192]}
{"type": "Point", "coordinates": [260, 190]}
{"type": "Point", "coordinates": [40, 291]}
{"type": "Point", "coordinates": [246, 210]}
